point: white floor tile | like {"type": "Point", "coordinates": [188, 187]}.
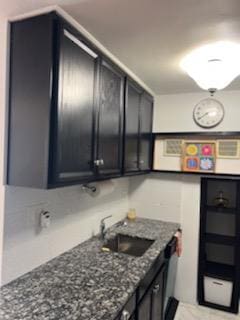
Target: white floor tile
{"type": "Point", "coordinates": [189, 312]}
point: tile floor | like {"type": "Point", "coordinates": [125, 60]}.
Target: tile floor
{"type": "Point", "coordinates": [190, 312]}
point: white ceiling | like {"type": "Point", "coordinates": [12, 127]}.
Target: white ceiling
{"type": "Point", "coordinates": [150, 36]}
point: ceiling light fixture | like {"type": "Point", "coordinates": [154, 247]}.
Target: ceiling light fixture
{"type": "Point", "coordinates": [214, 66]}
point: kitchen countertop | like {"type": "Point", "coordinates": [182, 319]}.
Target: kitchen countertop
{"type": "Point", "coordinates": [85, 283]}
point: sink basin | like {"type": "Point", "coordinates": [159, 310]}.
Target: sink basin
{"type": "Point", "coordinates": [130, 245]}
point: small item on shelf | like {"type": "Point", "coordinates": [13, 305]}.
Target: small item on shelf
{"type": "Point", "coordinates": [131, 214]}
{"type": "Point", "coordinates": [220, 201]}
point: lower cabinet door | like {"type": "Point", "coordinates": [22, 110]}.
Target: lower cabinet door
{"type": "Point", "coordinates": [158, 293]}
{"type": "Point", "coordinates": [152, 305]}
{"type": "Point", "coordinates": [144, 308]}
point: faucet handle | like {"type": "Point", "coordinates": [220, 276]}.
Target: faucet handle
{"type": "Point", "coordinates": [103, 219]}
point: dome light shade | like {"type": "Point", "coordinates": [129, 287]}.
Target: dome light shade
{"type": "Point", "coordinates": [214, 66]}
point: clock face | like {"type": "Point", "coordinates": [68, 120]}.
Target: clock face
{"type": "Point", "coordinates": [208, 113]}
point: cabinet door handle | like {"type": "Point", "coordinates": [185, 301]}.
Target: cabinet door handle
{"type": "Point", "coordinates": [101, 162]}
{"type": "Point", "coordinates": [141, 161]}
{"type": "Point", "coordinates": [97, 163]}
{"type": "Point", "coordinates": [156, 288]}
{"type": "Point", "coordinates": [125, 315]}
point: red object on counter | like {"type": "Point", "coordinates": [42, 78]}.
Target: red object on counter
{"type": "Point", "coordinates": [179, 247]}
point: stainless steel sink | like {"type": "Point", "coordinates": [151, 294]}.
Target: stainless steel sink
{"type": "Point", "coordinates": [130, 245]}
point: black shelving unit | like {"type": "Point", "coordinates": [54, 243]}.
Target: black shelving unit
{"type": "Point", "coordinates": [221, 209]}
{"type": "Point", "coordinates": [219, 245]}
{"type": "Point", "coordinates": [219, 270]}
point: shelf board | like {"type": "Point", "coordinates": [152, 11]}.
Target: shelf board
{"type": "Point", "coordinates": [221, 210]}
{"type": "Point", "coordinates": [199, 133]}
{"type": "Point", "coordinates": [202, 174]}
{"type": "Point", "coordinates": [220, 239]}
{"type": "Point", "coordinates": [220, 271]}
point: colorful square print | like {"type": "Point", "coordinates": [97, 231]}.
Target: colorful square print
{"type": "Point", "coordinates": [207, 164]}
{"type": "Point", "coordinates": [206, 149]}
{"type": "Point", "coordinates": [199, 156]}
{"type": "Point", "coordinates": [191, 163]}
{"type": "Point", "coordinates": [192, 149]}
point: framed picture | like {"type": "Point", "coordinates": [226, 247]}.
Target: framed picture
{"type": "Point", "coordinates": [198, 156]}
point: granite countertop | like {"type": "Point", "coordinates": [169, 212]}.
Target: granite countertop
{"type": "Point", "coordinates": [85, 283]}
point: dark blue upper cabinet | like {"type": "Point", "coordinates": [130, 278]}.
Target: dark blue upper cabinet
{"type": "Point", "coordinates": [132, 128]}
{"type": "Point", "coordinates": [66, 108]}
{"type": "Point", "coordinates": [110, 124]}
{"type": "Point", "coordinates": [138, 130]}
{"type": "Point", "coordinates": [146, 119]}
{"type": "Point", "coordinates": [76, 104]}
{"type": "Point", "coordinates": [30, 101]}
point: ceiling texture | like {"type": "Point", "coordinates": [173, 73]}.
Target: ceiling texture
{"type": "Point", "coordinates": [150, 36]}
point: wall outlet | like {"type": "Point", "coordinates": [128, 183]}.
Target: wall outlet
{"type": "Point", "coordinates": [45, 219]}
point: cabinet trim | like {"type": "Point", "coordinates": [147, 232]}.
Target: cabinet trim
{"type": "Point", "coordinates": [80, 44]}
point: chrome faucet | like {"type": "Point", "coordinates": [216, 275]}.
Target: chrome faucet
{"type": "Point", "coordinates": [103, 227]}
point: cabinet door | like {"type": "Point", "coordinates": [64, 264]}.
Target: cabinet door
{"type": "Point", "coordinates": [110, 125]}
{"type": "Point", "coordinates": [76, 100]}
{"type": "Point", "coordinates": [158, 295]}
{"type": "Point", "coordinates": [132, 113]}
{"type": "Point", "coordinates": [144, 308]}
{"type": "Point", "coordinates": [146, 111]}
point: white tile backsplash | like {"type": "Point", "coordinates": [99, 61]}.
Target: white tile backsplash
{"type": "Point", "coordinates": [156, 196]}
{"type": "Point", "coordinates": [75, 217]}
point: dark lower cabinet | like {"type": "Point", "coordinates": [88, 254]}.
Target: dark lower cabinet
{"type": "Point", "coordinates": [138, 130]}
{"type": "Point", "coordinates": [158, 294]}
{"type": "Point", "coordinates": [151, 306]}
{"type": "Point", "coordinates": [144, 309]}
{"type": "Point", "coordinates": [155, 291]}
{"type": "Point", "coordinates": [147, 303]}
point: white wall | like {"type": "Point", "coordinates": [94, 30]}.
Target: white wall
{"type": "Point", "coordinates": [174, 112]}
{"type": "Point", "coordinates": [177, 197]}
{"type": "Point", "coordinates": [3, 63]}
{"type": "Point", "coordinates": [186, 281]}
{"type": "Point", "coordinates": [174, 198]}
{"type": "Point", "coordinates": [75, 217]}
{"type": "Point", "coordinates": [156, 196]}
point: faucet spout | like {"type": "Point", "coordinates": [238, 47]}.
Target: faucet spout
{"type": "Point", "coordinates": [103, 227]}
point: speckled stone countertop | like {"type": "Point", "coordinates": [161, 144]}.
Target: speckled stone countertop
{"type": "Point", "coordinates": [85, 283]}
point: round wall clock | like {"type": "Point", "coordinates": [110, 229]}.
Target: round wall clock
{"type": "Point", "coordinates": [208, 113]}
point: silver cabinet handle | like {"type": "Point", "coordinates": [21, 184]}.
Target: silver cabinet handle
{"type": "Point", "coordinates": [141, 161]}
{"type": "Point", "coordinates": [125, 315]}
{"type": "Point", "coordinates": [156, 288]}
{"type": "Point", "coordinates": [97, 163]}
